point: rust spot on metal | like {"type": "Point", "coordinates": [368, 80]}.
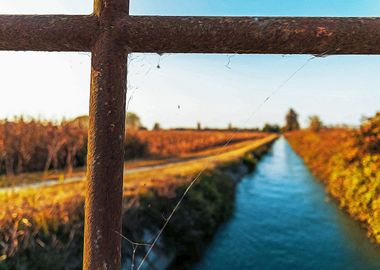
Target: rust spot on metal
{"type": "Point", "coordinates": [322, 31]}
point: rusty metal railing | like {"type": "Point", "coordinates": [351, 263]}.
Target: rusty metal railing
{"type": "Point", "coordinates": [110, 34]}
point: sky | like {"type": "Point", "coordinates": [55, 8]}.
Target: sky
{"type": "Point", "coordinates": [183, 89]}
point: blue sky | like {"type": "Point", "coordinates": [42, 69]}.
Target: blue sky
{"type": "Point", "coordinates": [205, 88]}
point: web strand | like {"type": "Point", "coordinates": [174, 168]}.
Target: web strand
{"type": "Point", "coordinates": [282, 85]}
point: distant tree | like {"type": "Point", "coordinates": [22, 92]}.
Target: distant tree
{"type": "Point", "coordinates": [36, 145]}
{"type": "Point", "coordinates": [271, 128]}
{"type": "Point", "coordinates": [132, 122]}
{"type": "Point", "coordinates": [53, 145]}
{"type": "Point", "coordinates": [156, 126]}
{"type": "Point", "coordinates": [315, 123]}
{"type": "Point", "coordinates": [230, 127]}
{"type": "Point", "coordinates": [10, 146]}
{"type": "Point", "coordinates": [199, 127]}
{"type": "Point", "coordinates": [29, 139]}
{"type": "Point", "coordinates": [74, 140]}
{"type": "Point", "coordinates": [291, 121]}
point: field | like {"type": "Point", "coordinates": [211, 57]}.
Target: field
{"type": "Point", "coordinates": [37, 151]}
{"type": "Point", "coordinates": [35, 217]}
{"type": "Point", "coordinates": [178, 143]}
{"type": "Point", "coordinates": [348, 163]}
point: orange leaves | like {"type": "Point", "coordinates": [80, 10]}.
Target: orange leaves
{"type": "Point", "coordinates": [37, 145]}
{"type": "Point", "coordinates": [165, 143]}
{"type": "Point", "coordinates": [348, 166]}
{"type": "Point", "coordinates": [368, 137]}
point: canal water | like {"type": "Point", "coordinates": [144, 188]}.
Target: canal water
{"type": "Point", "coordinates": [285, 220]}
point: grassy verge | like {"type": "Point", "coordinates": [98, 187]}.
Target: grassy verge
{"type": "Point", "coordinates": [62, 175]}
{"type": "Point", "coordinates": [351, 176]}
{"type": "Point", "coordinates": [43, 228]}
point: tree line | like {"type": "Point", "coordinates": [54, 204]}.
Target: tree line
{"type": "Point", "coordinates": [347, 160]}
{"type": "Point", "coordinates": [292, 123]}
{"type": "Point", "coordinates": [28, 145]}
{"type": "Point", "coordinates": [36, 145]}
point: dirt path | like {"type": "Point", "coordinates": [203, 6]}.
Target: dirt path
{"type": "Point", "coordinates": [54, 182]}
{"type": "Point", "coordinates": [178, 161]}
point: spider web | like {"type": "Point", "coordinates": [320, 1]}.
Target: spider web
{"type": "Point", "coordinates": [150, 246]}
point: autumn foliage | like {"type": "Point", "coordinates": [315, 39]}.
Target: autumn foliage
{"type": "Point", "coordinates": [369, 135]}
{"type": "Point", "coordinates": [166, 143]}
{"type": "Point", "coordinates": [36, 145]}
{"type": "Point", "coordinates": [348, 162]}
{"type": "Point", "coordinates": [42, 228]}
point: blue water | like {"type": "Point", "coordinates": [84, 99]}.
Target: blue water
{"type": "Point", "coordinates": [285, 220]}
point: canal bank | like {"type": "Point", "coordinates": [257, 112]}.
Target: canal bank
{"type": "Point", "coordinates": [284, 219]}
{"type": "Point", "coordinates": [43, 228]}
{"type": "Point", "coordinates": [209, 203]}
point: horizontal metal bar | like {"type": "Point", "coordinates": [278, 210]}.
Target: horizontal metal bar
{"type": "Point", "coordinates": [264, 35]}
{"type": "Point", "coordinates": [47, 33]}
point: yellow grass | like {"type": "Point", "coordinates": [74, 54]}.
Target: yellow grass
{"type": "Point", "coordinates": [61, 175]}
{"type": "Point", "coordinates": [58, 204]}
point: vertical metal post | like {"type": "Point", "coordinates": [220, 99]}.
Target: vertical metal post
{"type": "Point", "coordinates": [102, 245]}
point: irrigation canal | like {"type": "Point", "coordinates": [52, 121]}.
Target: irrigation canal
{"type": "Point", "coordinates": [285, 220]}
